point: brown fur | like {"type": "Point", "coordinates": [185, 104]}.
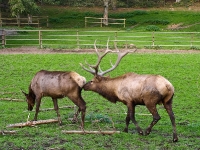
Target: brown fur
{"type": "Point", "coordinates": [56, 84]}
{"type": "Point", "coordinates": [134, 89]}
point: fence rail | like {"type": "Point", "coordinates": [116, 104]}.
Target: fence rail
{"type": "Point", "coordinates": [75, 39]}
{"type": "Point", "coordinates": [34, 20]}
{"type": "Point", "coordinates": [94, 20]}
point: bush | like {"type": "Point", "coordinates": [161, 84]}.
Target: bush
{"type": "Point", "coordinates": [152, 28]}
{"type": "Point", "coordinates": [161, 22]}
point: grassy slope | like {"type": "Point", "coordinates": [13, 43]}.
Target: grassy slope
{"type": "Point", "coordinates": [65, 17]}
{"type": "Point", "coordinates": [181, 69]}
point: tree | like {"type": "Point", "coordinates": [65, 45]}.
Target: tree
{"type": "Point", "coordinates": [18, 7]}
{"type": "Point", "coordinates": [105, 15]}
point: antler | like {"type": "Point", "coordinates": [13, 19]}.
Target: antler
{"type": "Point", "coordinates": [95, 69]}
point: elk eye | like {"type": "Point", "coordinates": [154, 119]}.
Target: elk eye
{"type": "Point", "coordinates": [91, 82]}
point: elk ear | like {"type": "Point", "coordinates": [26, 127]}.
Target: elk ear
{"type": "Point", "coordinates": [24, 93]}
{"type": "Point", "coordinates": [98, 78]}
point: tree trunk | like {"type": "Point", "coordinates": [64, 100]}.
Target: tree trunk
{"type": "Point", "coordinates": [105, 15]}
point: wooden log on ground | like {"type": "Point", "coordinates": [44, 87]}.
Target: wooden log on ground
{"type": "Point", "coordinates": [12, 99]}
{"type": "Point", "coordinates": [31, 123]}
{"type": "Point", "coordinates": [89, 132]}
{"type": "Point", "coordinates": [4, 132]}
{"type": "Point", "coordinates": [50, 109]}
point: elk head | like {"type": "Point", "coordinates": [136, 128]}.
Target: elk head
{"type": "Point", "coordinates": [93, 85]}
{"type": "Point", "coordinates": [30, 99]}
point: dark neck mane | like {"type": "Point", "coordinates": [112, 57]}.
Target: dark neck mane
{"type": "Point", "coordinates": [107, 94]}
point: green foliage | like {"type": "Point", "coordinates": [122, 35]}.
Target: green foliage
{"type": "Point", "coordinates": [18, 7]}
{"type": "Point", "coordinates": [157, 21]}
{"type": "Point", "coordinates": [152, 28]}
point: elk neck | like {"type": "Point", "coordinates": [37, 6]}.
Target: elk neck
{"type": "Point", "coordinates": [104, 86]}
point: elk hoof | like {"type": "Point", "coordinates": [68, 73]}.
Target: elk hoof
{"type": "Point", "coordinates": [147, 132]}
{"type": "Point", "coordinates": [175, 138]}
{"type": "Point", "coordinates": [140, 132]}
{"type": "Point", "coordinates": [60, 123]}
{"type": "Point", "coordinates": [125, 130]}
{"type": "Point", "coordinates": [74, 120]}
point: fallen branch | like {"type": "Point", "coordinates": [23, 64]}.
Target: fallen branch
{"type": "Point", "coordinates": [89, 132]}
{"type": "Point", "coordinates": [7, 132]}
{"type": "Point", "coordinates": [12, 99]}
{"type": "Point", "coordinates": [32, 123]}
{"type": "Point", "coordinates": [50, 109]}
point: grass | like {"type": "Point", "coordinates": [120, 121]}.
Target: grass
{"type": "Point", "coordinates": [182, 70]}
{"type": "Point", "coordinates": [73, 17]}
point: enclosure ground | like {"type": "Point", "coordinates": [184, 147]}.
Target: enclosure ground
{"type": "Point", "coordinates": [32, 50]}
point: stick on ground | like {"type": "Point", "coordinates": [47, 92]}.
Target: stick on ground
{"type": "Point", "coordinates": [89, 132]}
{"type": "Point", "coordinates": [4, 132]}
{"type": "Point", "coordinates": [32, 123]}
{"type": "Point", "coordinates": [12, 99]}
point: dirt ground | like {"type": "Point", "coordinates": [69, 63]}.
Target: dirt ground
{"type": "Point", "coordinates": [32, 50]}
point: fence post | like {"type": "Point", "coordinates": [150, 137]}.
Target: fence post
{"type": "Point", "coordinates": [47, 21]}
{"type": "Point", "coordinates": [38, 22]}
{"type": "Point", "coordinates": [153, 39]}
{"type": "Point", "coordinates": [40, 39]}
{"type": "Point", "coordinates": [85, 22]}
{"type": "Point", "coordinates": [124, 22]}
{"type": "Point", "coordinates": [116, 38]}
{"type": "Point", "coordinates": [192, 36]}
{"type": "Point", "coordinates": [77, 39]}
{"type": "Point", "coordinates": [3, 39]}
{"type": "Point", "coordinates": [18, 20]}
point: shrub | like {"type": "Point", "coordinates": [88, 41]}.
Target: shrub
{"type": "Point", "coordinates": [152, 28]}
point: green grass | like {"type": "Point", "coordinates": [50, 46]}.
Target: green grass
{"type": "Point", "coordinates": [73, 17]}
{"type": "Point", "coordinates": [182, 70]}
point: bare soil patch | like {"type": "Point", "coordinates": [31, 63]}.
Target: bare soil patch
{"type": "Point", "coordinates": [32, 50]}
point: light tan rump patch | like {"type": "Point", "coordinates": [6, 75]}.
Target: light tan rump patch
{"type": "Point", "coordinates": [80, 80]}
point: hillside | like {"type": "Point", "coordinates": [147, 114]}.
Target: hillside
{"type": "Point", "coordinates": [186, 19]}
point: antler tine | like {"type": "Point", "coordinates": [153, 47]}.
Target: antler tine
{"type": "Point", "coordinates": [100, 57]}
{"type": "Point", "coordinates": [86, 69]}
{"type": "Point", "coordinates": [120, 56]}
{"type": "Point", "coordinates": [94, 68]}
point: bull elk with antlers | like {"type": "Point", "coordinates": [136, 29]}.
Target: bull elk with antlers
{"type": "Point", "coordinates": [132, 89]}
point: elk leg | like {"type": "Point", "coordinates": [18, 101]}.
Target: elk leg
{"type": "Point", "coordinates": [127, 122]}
{"type": "Point", "coordinates": [156, 118]}
{"type": "Point", "coordinates": [78, 101]}
{"type": "Point", "coordinates": [55, 103]}
{"type": "Point", "coordinates": [75, 119]}
{"type": "Point", "coordinates": [131, 115]}
{"type": "Point", "coordinates": [168, 107]}
{"type": "Point", "coordinates": [38, 101]}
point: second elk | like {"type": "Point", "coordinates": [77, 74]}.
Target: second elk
{"type": "Point", "coordinates": [132, 89]}
{"type": "Point", "coordinates": [57, 84]}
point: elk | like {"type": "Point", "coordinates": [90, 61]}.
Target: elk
{"type": "Point", "coordinates": [132, 89]}
{"type": "Point", "coordinates": [57, 84]}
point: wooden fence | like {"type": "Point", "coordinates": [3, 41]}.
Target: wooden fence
{"type": "Point", "coordinates": [75, 39]}
{"type": "Point", "coordinates": [111, 21]}
{"type": "Point", "coordinates": [34, 21]}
